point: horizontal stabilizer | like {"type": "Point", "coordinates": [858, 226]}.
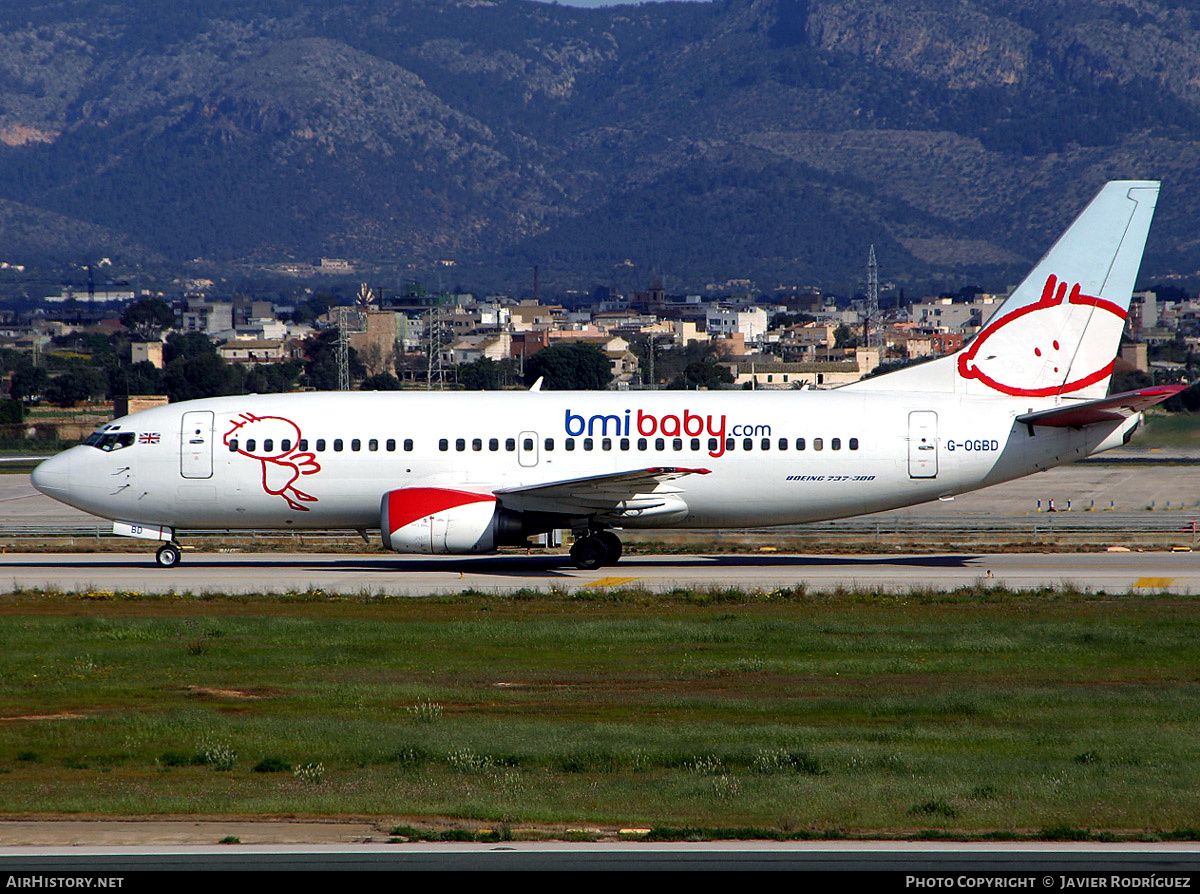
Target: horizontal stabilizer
{"type": "Point", "coordinates": [1107, 409]}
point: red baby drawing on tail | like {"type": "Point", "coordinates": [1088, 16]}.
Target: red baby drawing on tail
{"type": "Point", "coordinates": [1059, 344]}
{"type": "Point", "coordinates": [274, 442]}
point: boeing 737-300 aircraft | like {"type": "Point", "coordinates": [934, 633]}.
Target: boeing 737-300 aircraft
{"type": "Point", "coordinates": [465, 473]}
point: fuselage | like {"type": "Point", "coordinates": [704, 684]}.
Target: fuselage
{"type": "Point", "coordinates": [324, 460]}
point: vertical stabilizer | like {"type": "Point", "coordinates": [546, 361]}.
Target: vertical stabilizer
{"type": "Point", "coordinates": [1059, 331]}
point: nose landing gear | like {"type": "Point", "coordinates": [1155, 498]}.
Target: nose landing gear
{"type": "Point", "coordinates": [596, 549]}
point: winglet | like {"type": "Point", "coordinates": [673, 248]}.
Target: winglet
{"type": "Point", "coordinates": [537, 386]}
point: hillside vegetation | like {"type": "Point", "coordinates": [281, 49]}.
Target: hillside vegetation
{"type": "Point", "coordinates": [764, 138]}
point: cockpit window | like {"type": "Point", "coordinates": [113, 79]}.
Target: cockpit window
{"type": "Point", "coordinates": [109, 441]}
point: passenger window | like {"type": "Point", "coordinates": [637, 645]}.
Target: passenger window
{"type": "Point", "coordinates": [477, 444]}
{"type": "Point", "coordinates": [373, 444]}
{"type": "Point", "coordinates": [783, 443]}
{"type": "Point", "coordinates": [251, 444]}
{"type": "Point", "coordinates": [766, 443]}
{"type": "Point", "coordinates": [493, 444]}
{"type": "Point", "coordinates": [569, 443]}
{"type": "Point", "coordinates": [799, 443]}
{"type": "Point", "coordinates": [729, 444]}
{"type": "Point", "coordinates": [408, 445]}
{"type": "Point", "coordinates": [527, 444]}
{"type": "Point", "coordinates": [549, 443]}
{"type": "Point", "coordinates": [302, 444]}
{"type": "Point", "coordinates": [460, 444]}
{"type": "Point", "coordinates": [677, 443]}
{"type": "Point", "coordinates": [835, 444]}
{"type": "Point", "coordinates": [337, 444]}
{"type": "Point", "coordinates": [285, 445]}
{"type": "Point", "coordinates": [606, 443]}
{"type": "Point", "coordinates": [443, 444]}
{"type": "Point", "coordinates": [695, 443]}
{"type": "Point", "coordinates": [268, 445]}
{"type": "Point", "coordinates": [233, 446]}
{"type": "Point", "coordinates": [712, 444]}
{"type": "Point", "coordinates": [390, 446]}
{"type": "Point", "coordinates": [747, 443]}
{"type": "Point", "coordinates": [642, 442]}
{"type": "Point", "coordinates": [854, 443]}
{"type": "Point", "coordinates": [587, 443]}
{"type": "Point", "coordinates": [356, 445]}
{"type": "Point", "coordinates": [818, 443]}
{"type": "Point", "coordinates": [660, 444]}
{"type": "Point", "coordinates": [624, 443]}
{"type": "Point", "coordinates": [320, 445]}
{"type": "Point", "coordinates": [510, 444]}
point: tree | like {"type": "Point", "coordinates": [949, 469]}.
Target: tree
{"type": "Point", "coordinates": [273, 378]}
{"type": "Point", "coordinates": [574, 367]}
{"type": "Point", "coordinates": [187, 344]}
{"type": "Point", "coordinates": [29, 383]}
{"type": "Point", "coordinates": [480, 375]}
{"type": "Point", "coordinates": [702, 374]}
{"type": "Point", "coordinates": [11, 412]}
{"type": "Point", "coordinates": [148, 317]}
{"type": "Point", "coordinates": [76, 385]}
{"type": "Point", "coordinates": [380, 382]}
{"type": "Point", "coordinates": [320, 366]}
{"type": "Point", "coordinates": [142, 377]}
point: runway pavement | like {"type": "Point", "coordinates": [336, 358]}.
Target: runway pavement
{"type": "Point", "coordinates": [420, 576]}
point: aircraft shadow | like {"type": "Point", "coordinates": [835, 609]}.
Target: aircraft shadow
{"type": "Point", "coordinates": [547, 566]}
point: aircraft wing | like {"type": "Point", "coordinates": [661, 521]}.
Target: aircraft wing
{"type": "Point", "coordinates": [1106, 409]}
{"type": "Point", "coordinates": [635, 492]}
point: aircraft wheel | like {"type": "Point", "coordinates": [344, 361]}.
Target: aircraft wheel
{"type": "Point", "coordinates": [612, 546]}
{"type": "Point", "coordinates": [589, 553]}
{"type": "Point", "coordinates": [168, 555]}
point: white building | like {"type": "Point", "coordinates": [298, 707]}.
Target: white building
{"type": "Point", "coordinates": [751, 323]}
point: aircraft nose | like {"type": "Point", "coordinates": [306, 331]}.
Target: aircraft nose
{"type": "Point", "coordinates": [52, 476]}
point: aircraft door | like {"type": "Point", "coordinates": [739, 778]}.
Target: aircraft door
{"type": "Point", "coordinates": [922, 444]}
{"type": "Point", "coordinates": [527, 448]}
{"type": "Point", "coordinates": [196, 444]}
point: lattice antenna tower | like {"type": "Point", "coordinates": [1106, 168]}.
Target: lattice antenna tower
{"type": "Point", "coordinates": [344, 328]}
{"type": "Point", "coordinates": [434, 336]}
{"type": "Point", "coordinates": [871, 327]}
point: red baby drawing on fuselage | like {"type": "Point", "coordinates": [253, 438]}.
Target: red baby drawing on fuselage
{"type": "Point", "coordinates": [264, 438]}
{"type": "Point", "coordinates": [1030, 351]}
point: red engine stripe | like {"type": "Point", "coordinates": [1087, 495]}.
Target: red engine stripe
{"type": "Point", "coordinates": [408, 504]}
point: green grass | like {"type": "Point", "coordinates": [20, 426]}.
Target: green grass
{"type": "Point", "coordinates": [1169, 430]}
{"type": "Point", "coordinates": [976, 712]}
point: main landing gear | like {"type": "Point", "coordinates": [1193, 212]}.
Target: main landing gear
{"type": "Point", "coordinates": [596, 549]}
{"type": "Point", "coordinates": [168, 555]}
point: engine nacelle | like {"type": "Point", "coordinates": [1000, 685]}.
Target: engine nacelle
{"type": "Point", "coordinates": [442, 520]}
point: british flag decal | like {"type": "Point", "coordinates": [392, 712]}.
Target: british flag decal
{"type": "Point", "coordinates": [148, 437]}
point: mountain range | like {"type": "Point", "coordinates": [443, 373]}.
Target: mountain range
{"type": "Point", "coordinates": [771, 140]}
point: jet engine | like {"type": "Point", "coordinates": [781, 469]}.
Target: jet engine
{"type": "Point", "coordinates": [443, 520]}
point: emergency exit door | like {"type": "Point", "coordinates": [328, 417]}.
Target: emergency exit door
{"type": "Point", "coordinates": [922, 444]}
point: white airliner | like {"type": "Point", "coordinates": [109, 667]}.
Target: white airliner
{"type": "Point", "coordinates": [465, 473]}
